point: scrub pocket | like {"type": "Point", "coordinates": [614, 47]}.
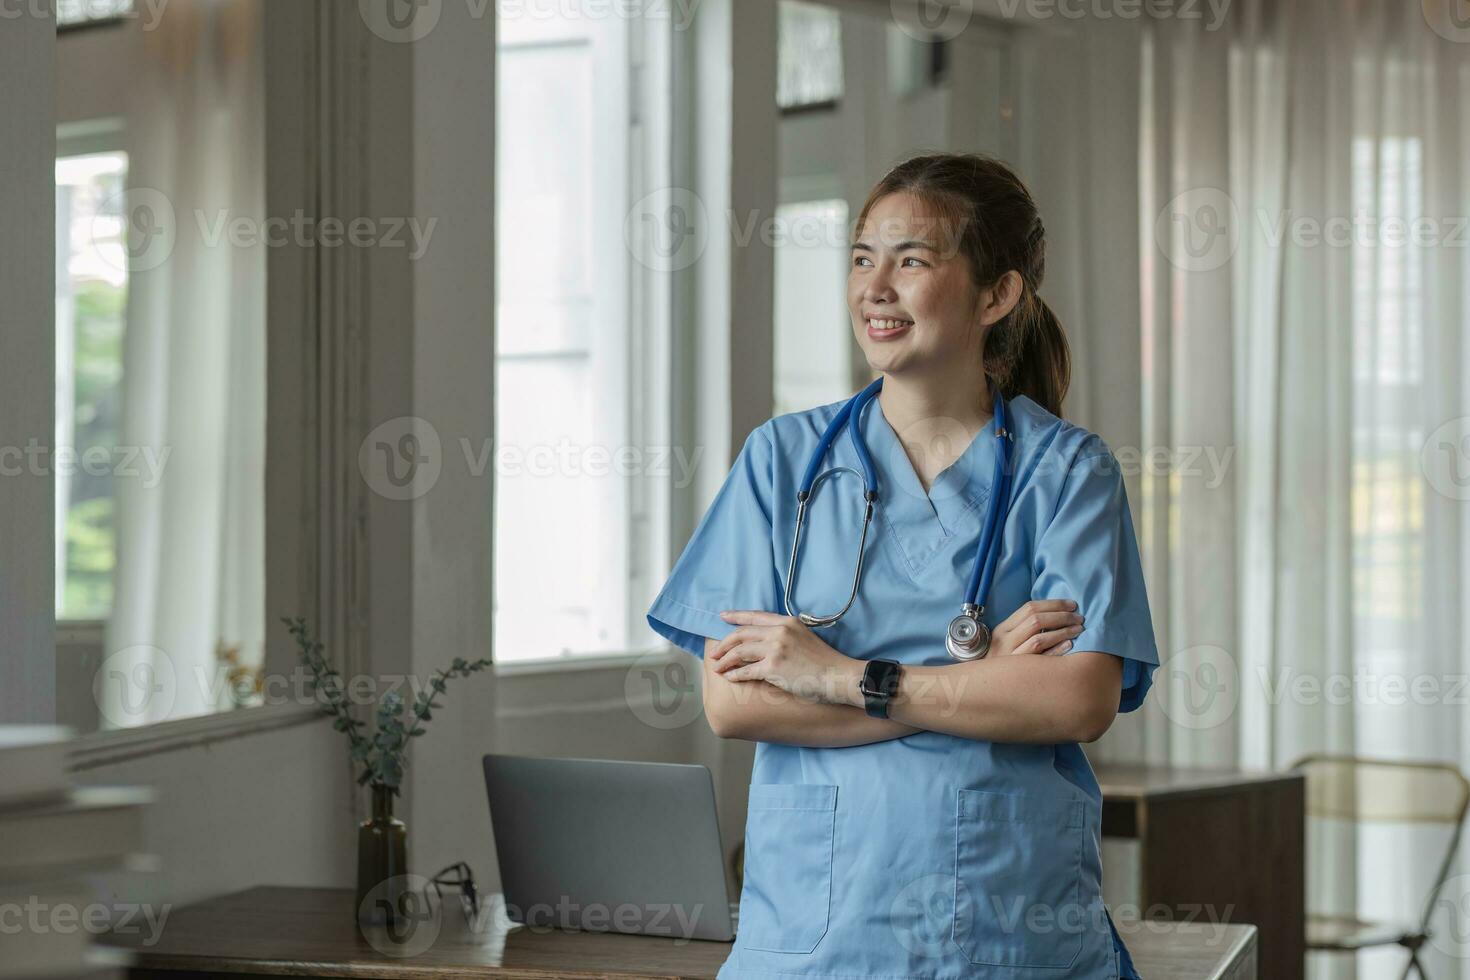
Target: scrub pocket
{"type": "Point", "coordinates": [786, 897]}
{"type": "Point", "coordinates": [1018, 873]}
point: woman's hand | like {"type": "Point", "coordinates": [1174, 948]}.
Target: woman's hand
{"type": "Point", "coordinates": [1040, 626]}
{"type": "Point", "coordinates": [784, 652]}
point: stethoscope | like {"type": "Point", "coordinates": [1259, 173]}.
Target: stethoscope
{"type": "Point", "coordinates": [967, 637]}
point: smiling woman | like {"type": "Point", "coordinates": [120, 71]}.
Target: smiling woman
{"type": "Point", "coordinates": [968, 776]}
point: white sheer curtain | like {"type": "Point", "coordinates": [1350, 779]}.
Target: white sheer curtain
{"type": "Point", "coordinates": [190, 574]}
{"type": "Point", "coordinates": [1304, 256]}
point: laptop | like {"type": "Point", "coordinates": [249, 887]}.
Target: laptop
{"type": "Point", "coordinates": [606, 846]}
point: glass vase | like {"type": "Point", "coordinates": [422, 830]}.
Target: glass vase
{"type": "Point", "coordinates": [382, 863]}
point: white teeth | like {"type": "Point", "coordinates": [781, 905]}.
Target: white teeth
{"type": "Point", "coordinates": [887, 324]}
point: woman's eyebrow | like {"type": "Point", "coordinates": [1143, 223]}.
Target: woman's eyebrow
{"type": "Point", "coordinates": [911, 243]}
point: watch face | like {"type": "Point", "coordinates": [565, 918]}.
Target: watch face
{"type": "Point", "coordinates": [879, 677]}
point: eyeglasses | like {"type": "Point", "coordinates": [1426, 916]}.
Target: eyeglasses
{"type": "Point", "coordinates": [456, 875]}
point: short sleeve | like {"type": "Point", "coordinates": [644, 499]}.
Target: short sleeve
{"type": "Point", "coordinates": [1089, 553]}
{"type": "Point", "coordinates": [728, 562]}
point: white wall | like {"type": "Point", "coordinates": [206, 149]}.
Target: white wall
{"type": "Point", "coordinates": [27, 365]}
{"type": "Point", "coordinates": [268, 808]}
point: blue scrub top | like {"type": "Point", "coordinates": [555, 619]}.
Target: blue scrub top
{"type": "Point", "coordinates": [929, 856]}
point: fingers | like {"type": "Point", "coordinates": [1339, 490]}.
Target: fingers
{"type": "Point", "coordinates": [753, 617]}
{"type": "Point", "coordinates": [730, 642]}
{"type": "Point", "coordinates": [1050, 641]}
{"type": "Point", "coordinates": [748, 634]}
{"type": "Point", "coordinates": [1036, 606]}
{"type": "Point", "coordinates": [734, 651]}
{"type": "Point", "coordinates": [736, 665]}
{"type": "Point", "coordinates": [1041, 614]}
{"type": "Point", "coordinates": [745, 673]}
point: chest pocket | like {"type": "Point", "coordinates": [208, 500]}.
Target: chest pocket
{"type": "Point", "coordinates": [786, 897]}
{"type": "Point", "coordinates": [1018, 876]}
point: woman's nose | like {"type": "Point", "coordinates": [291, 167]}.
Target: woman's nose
{"type": "Point", "coordinates": [880, 284]}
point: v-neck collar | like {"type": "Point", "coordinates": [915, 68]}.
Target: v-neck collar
{"type": "Point", "coordinates": [921, 523]}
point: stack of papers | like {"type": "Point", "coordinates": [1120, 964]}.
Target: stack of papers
{"type": "Point", "coordinates": [53, 837]}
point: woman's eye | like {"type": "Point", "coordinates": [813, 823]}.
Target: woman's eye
{"type": "Point", "coordinates": [862, 260]}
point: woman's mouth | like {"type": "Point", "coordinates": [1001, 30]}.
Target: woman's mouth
{"type": "Point", "coordinates": [886, 329]}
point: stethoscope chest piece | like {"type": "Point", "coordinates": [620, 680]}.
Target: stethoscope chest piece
{"type": "Point", "coordinates": [967, 638]}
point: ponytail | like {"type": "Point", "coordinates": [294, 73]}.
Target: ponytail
{"type": "Point", "coordinates": [1027, 354]}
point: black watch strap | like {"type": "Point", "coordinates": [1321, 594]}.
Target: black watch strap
{"type": "Point", "coordinates": [879, 685]}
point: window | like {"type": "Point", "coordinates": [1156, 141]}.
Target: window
{"type": "Point", "coordinates": [581, 462]}
{"type": "Point", "coordinates": [91, 300]}
{"type": "Point", "coordinates": [1388, 374]}
{"type": "Point", "coordinates": [814, 342]}
{"type": "Point", "coordinates": [809, 55]}
{"type": "Point", "coordinates": [71, 13]}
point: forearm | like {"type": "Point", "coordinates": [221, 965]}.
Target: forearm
{"type": "Point", "coordinates": [1038, 699]}
{"type": "Point", "coordinates": [760, 712]}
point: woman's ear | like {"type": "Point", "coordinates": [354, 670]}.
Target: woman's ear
{"type": "Point", "coordinates": [1000, 299]}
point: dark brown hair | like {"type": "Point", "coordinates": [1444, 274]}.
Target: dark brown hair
{"type": "Point", "coordinates": [999, 229]}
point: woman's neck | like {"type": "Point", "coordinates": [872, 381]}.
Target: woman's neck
{"type": "Point", "coordinates": [936, 423]}
{"type": "Point", "coordinates": [964, 398]}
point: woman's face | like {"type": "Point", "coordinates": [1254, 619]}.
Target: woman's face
{"type": "Point", "coordinates": [910, 295]}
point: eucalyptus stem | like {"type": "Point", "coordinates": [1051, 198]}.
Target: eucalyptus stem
{"type": "Point", "coordinates": [383, 755]}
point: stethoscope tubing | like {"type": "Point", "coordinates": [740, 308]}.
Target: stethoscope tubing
{"type": "Point", "coordinates": [987, 553]}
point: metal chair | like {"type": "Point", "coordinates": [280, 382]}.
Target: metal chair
{"type": "Point", "coordinates": [1383, 791]}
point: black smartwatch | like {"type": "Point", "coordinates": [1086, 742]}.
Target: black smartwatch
{"type": "Point", "coordinates": [879, 685]}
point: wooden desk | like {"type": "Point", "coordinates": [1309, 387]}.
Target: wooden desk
{"type": "Point", "coordinates": [1222, 845]}
{"type": "Point", "coordinates": [310, 932]}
